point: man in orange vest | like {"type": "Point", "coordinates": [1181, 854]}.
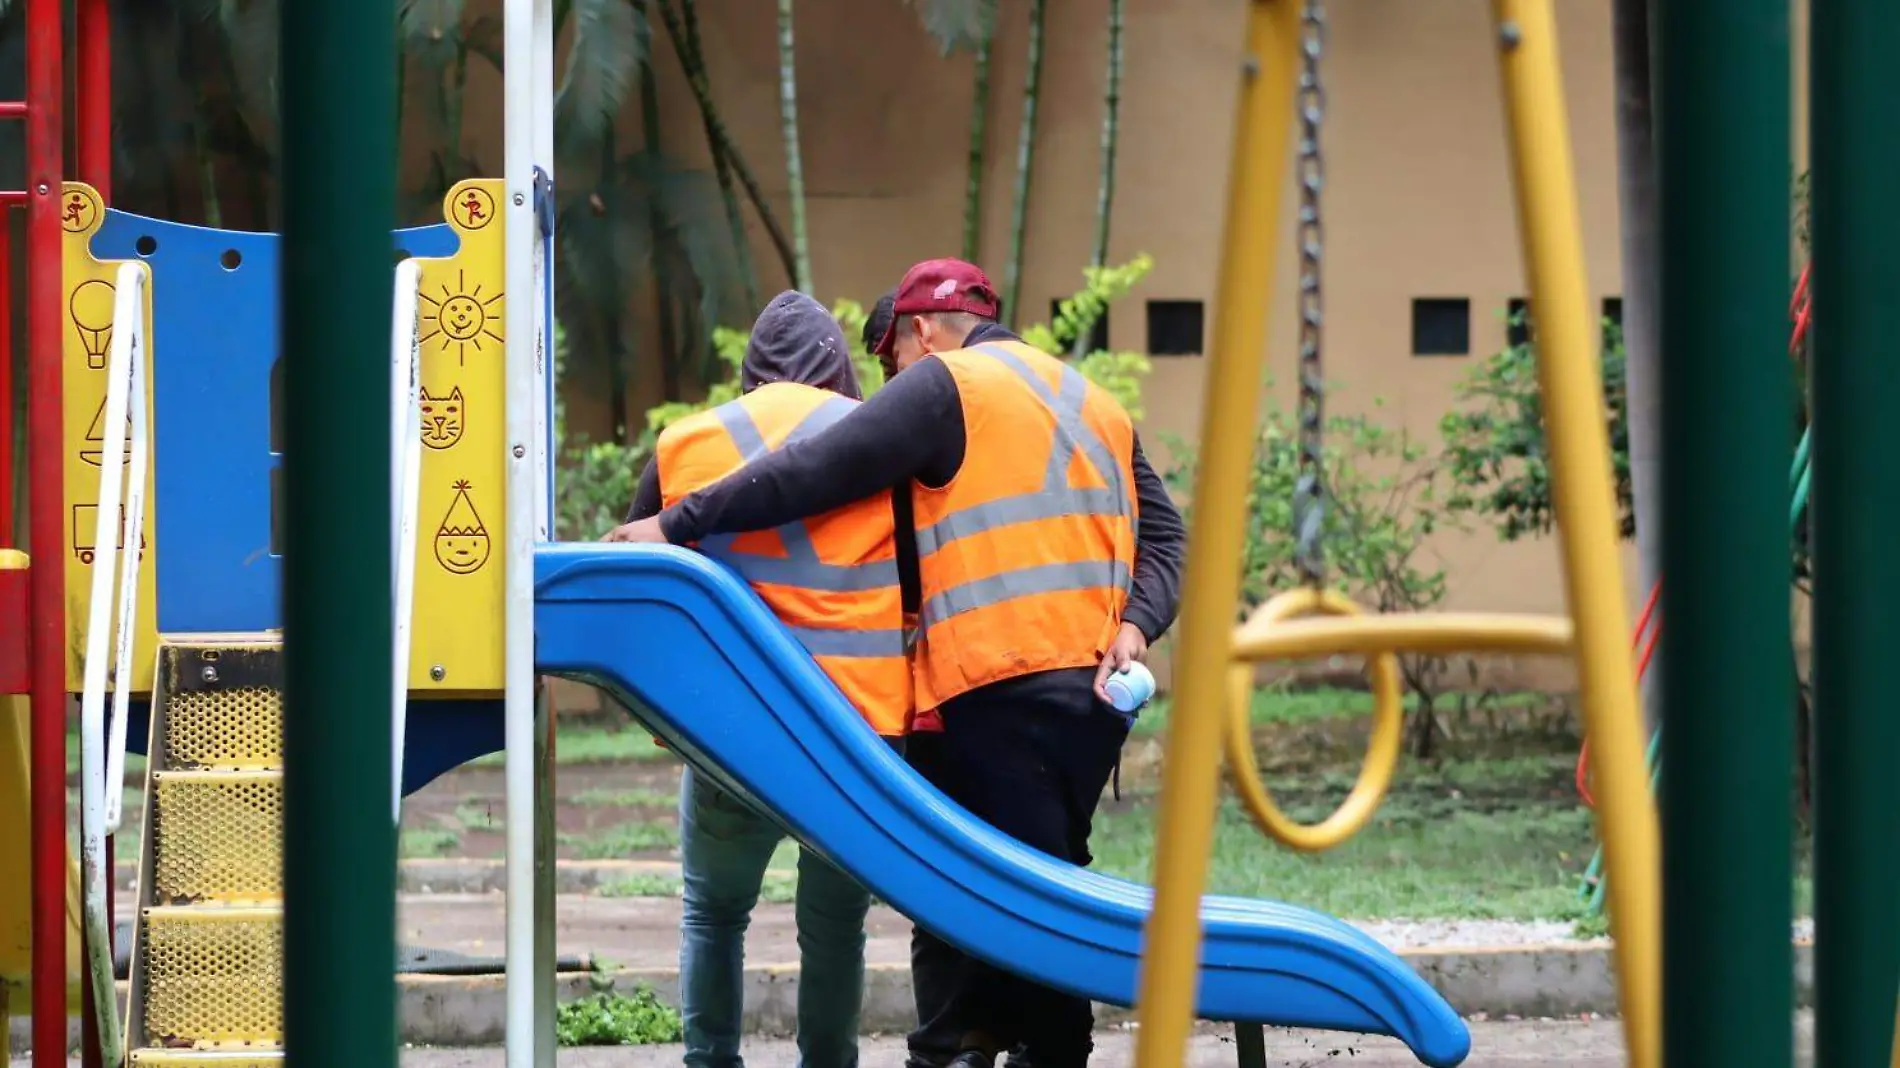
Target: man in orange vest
{"type": "Point", "coordinates": [832, 580]}
{"type": "Point", "coordinates": [1049, 555]}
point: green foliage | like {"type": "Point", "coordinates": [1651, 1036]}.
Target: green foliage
{"type": "Point", "coordinates": [598, 478]}
{"type": "Point", "coordinates": [1496, 455]}
{"type": "Point", "coordinates": [1120, 373]}
{"type": "Point", "coordinates": [606, 1017]}
{"type": "Point", "coordinates": [1383, 500]}
{"type": "Point", "coordinates": [729, 347]}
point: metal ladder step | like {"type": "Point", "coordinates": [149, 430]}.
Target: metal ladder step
{"type": "Point", "coordinates": [212, 976]}
{"type": "Point", "coordinates": [207, 1058]}
{"type": "Point", "coordinates": [207, 967]}
{"type": "Point", "coordinates": [223, 705]}
{"type": "Point", "coordinates": [217, 836]}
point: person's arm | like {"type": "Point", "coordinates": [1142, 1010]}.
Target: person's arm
{"type": "Point", "coordinates": [646, 497]}
{"type": "Point", "coordinates": [1160, 549]}
{"type": "Point", "coordinates": [910, 429]}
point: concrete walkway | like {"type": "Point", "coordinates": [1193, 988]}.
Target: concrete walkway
{"type": "Point", "coordinates": [1527, 1044]}
{"type": "Point", "coordinates": [456, 996]}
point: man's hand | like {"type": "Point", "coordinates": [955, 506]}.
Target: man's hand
{"type": "Point", "coordinates": [638, 532]}
{"type": "Point", "coordinates": [1129, 646]}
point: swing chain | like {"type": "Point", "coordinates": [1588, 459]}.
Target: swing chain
{"type": "Point", "coordinates": [1309, 491]}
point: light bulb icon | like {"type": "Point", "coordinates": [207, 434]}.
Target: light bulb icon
{"type": "Point", "coordinates": [91, 307]}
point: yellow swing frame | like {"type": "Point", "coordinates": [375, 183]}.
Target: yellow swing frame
{"type": "Point", "coordinates": [1214, 664]}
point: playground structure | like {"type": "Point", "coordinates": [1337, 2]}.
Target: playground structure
{"type": "Point", "coordinates": [480, 604]}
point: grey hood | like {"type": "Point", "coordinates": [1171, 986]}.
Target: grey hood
{"type": "Point", "coordinates": [796, 340]}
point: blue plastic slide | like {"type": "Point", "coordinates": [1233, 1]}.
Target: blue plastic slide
{"type": "Point", "coordinates": [711, 672]}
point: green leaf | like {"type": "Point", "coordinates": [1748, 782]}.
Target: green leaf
{"type": "Point", "coordinates": [607, 52]}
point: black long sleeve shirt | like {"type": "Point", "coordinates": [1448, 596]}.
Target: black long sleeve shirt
{"type": "Point", "coordinates": [912, 429]}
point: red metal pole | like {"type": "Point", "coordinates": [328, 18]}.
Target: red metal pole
{"type": "Point", "coordinates": [93, 126]}
{"type": "Point", "coordinates": [93, 96]}
{"type": "Point", "coordinates": [7, 472]}
{"type": "Point", "coordinates": [47, 514]}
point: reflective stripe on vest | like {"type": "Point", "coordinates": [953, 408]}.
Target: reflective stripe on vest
{"type": "Point", "coordinates": [1054, 500]}
{"type": "Point", "coordinates": [800, 566]}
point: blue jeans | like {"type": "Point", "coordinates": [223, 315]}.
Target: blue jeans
{"type": "Point", "coordinates": [724, 848]}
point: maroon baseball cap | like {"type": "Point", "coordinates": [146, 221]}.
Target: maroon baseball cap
{"type": "Point", "coordinates": [939, 286]}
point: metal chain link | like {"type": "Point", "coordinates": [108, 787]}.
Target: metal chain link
{"type": "Point", "coordinates": [1309, 491]}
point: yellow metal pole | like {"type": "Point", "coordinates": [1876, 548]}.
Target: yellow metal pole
{"type": "Point", "coordinates": [1184, 829]}
{"type": "Point", "coordinates": [1584, 505]}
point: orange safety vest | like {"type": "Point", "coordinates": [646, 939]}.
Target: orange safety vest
{"type": "Point", "coordinates": [831, 579]}
{"type": "Point", "coordinates": [1027, 556]}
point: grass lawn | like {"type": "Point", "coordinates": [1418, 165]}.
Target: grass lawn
{"type": "Point", "coordinates": [1488, 828]}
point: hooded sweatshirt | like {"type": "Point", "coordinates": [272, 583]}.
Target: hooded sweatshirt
{"type": "Point", "coordinates": [794, 339]}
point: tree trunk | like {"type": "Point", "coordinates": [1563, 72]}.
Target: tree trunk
{"type": "Point", "coordinates": [1642, 339]}
{"type": "Point", "coordinates": [722, 163]}
{"type": "Point", "coordinates": [663, 282]}
{"type": "Point", "coordinates": [794, 163]}
{"type": "Point", "coordinates": [693, 62]}
{"type": "Point", "coordinates": [1111, 130]}
{"type": "Point", "coordinates": [979, 135]}
{"type": "Point", "coordinates": [1025, 157]}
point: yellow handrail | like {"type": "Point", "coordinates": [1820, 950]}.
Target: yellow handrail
{"type": "Point", "coordinates": [1213, 656]}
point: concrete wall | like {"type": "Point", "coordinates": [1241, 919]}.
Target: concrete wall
{"type": "Point", "coordinates": [1418, 197]}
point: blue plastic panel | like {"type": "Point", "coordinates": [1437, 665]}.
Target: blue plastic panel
{"type": "Point", "coordinates": [214, 345]}
{"type": "Point", "coordinates": [727, 688]}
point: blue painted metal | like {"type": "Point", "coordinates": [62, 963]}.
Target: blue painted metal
{"type": "Point", "coordinates": [671, 632]}
{"type": "Point", "coordinates": [444, 734]}
{"type": "Point", "coordinates": [215, 328]}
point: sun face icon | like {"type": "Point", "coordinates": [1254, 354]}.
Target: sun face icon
{"type": "Point", "coordinates": [461, 317]}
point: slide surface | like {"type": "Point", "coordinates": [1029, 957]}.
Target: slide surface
{"type": "Point", "coordinates": [712, 673]}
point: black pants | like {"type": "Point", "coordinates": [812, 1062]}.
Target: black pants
{"type": "Point", "coordinates": [1031, 758]}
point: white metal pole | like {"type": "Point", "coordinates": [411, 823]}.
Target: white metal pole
{"type": "Point", "coordinates": [540, 93]}
{"type": "Point", "coordinates": [518, 140]}
{"type": "Point", "coordinates": [132, 276]}
{"type": "Point", "coordinates": [405, 483]}
{"type": "Point", "coordinates": [107, 530]}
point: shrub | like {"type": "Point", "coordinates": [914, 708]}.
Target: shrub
{"type": "Point", "coordinates": [1496, 456]}
{"type": "Point", "coordinates": [1383, 500]}
{"type": "Point", "coordinates": [597, 479]}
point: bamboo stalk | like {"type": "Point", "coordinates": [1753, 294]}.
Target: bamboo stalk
{"type": "Point", "coordinates": [794, 162]}
{"type": "Point", "coordinates": [1025, 158]}
{"type": "Point", "coordinates": [692, 61]}
{"type": "Point", "coordinates": [979, 134]}
{"type": "Point", "coordinates": [662, 264]}
{"type": "Point", "coordinates": [1111, 130]}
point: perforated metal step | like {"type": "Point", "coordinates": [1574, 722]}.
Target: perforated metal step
{"type": "Point", "coordinates": [215, 1058]}
{"type": "Point", "coordinates": [223, 705]}
{"type": "Point", "coordinates": [217, 836]}
{"type": "Point", "coordinates": [212, 976]}
{"type": "Point", "coordinates": [207, 967]}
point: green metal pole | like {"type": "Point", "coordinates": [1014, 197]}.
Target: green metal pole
{"type": "Point", "coordinates": [1723, 149]}
{"type": "Point", "coordinates": [1856, 381]}
{"type": "Point", "coordinates": [339, 196]}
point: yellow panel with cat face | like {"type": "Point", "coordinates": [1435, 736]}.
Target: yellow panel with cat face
{"type": "Point", "coordinates": [86, 342]}
{"type": "Point", "coordinates": [459, 524]}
